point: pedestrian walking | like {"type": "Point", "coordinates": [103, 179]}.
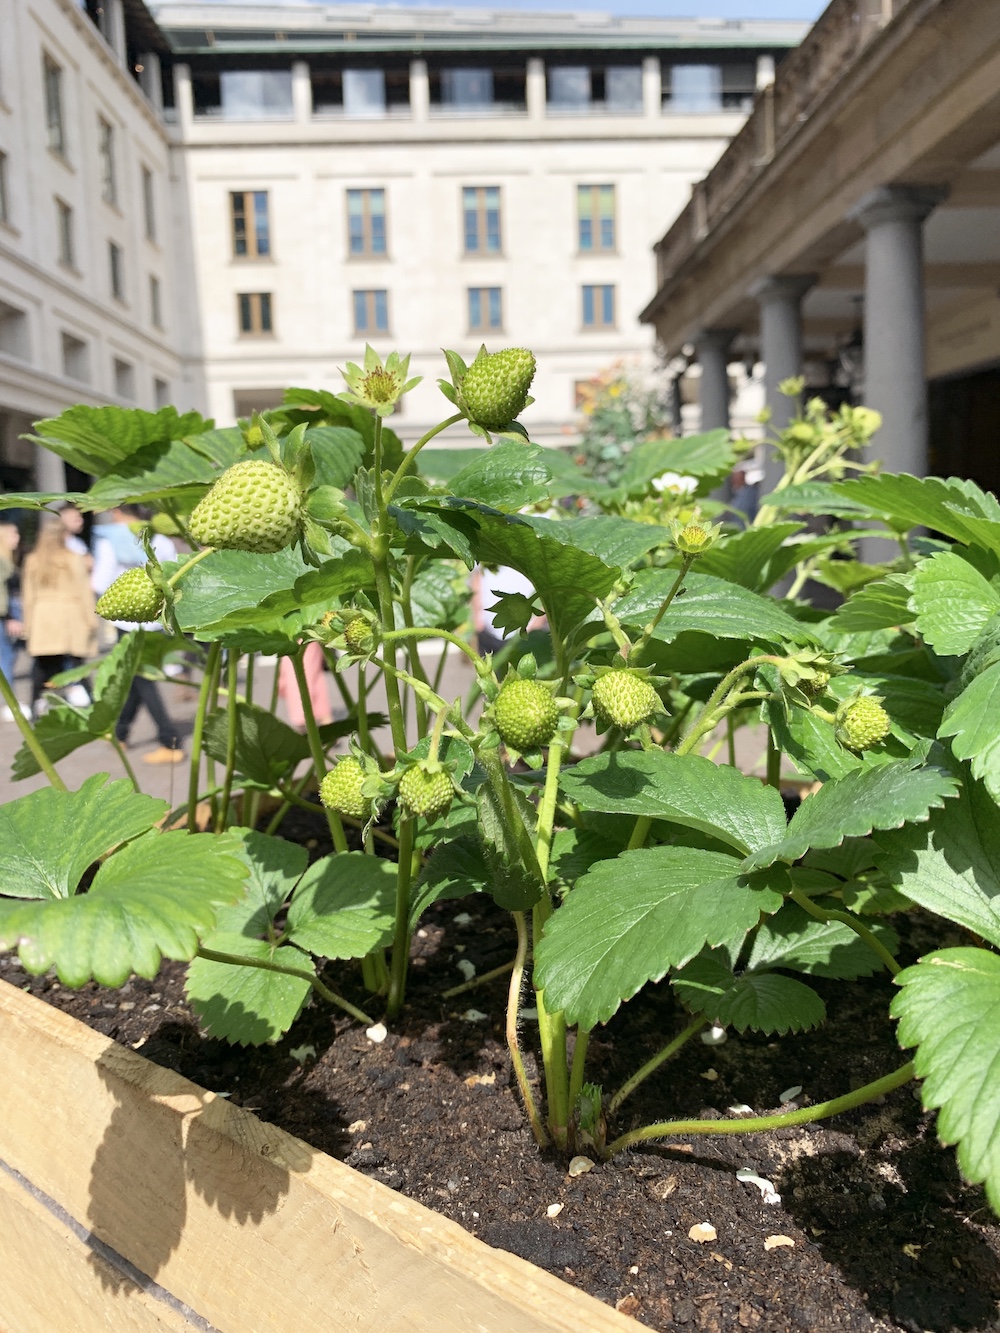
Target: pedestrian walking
{"type": "Point", "coordinates": [11, 629]}
{"type": "Point", "coordinates": [116, 549]}
{"type": "Point", "coordinates": [60, 624]}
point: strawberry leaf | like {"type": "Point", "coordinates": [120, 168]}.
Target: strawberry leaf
{"type": "Point", "coordinates": [761, 1001]}
{"type": "Point", "coordinates": [275, 866]}
{"type": "Point", "coordinates": [248, 1005]}
{"type": "Point", "coordinates": [795, 940]}
{"type": "Point", "coordinates": [343, 906]}
{"type": "Point", "coordinates": [953, 602]}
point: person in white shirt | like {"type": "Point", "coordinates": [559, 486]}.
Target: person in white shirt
{"type": "Point", "coordinates": [116, 548]}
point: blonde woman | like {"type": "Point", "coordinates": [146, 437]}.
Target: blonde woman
{"type": "Point", "coordinates": [59, 618]}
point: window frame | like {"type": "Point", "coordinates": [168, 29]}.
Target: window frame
{"type": "Point", "coordinates": [483, 297]}
{"type": "Point", "coordinates": [116, 270]}
{"type": "Point", "coordinates": [252, 231]}
{"type": "Point", "coordinates": [599, 292]}
{"type": "Point", "coordinates": [65, 237]}
{"type": "Point", "coordinates": [370, 304]}
{"type": "Point", "coordinates": [481, 211]}
{"type": "Point", "coordinates": [4, 191]}
{"type": "Point", "coordinates": [594, 217]}
{"type": "Point", "coordinates": [148, 203]}
{"type": "Point", "coordinates": [55, 118]}
{"type": "Point", "coordinates": [259, 312]}
{"type": "Point", "coordinates": [155, 301]}
{"type": "Point", "coordinates": [106, 156]}
{"type": "Point", "coordinates": [368, 218]}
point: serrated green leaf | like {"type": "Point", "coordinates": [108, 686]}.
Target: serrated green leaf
{"type": "Point", "coordinates": [710, 606]}
{"type": "Point", "coordinates": [632, 919]}
{"type": "Point", "coordinates": [438, 599]}
{"type": "Point", "coordinates": [508, 476]}
{"type": "Point", "coordinates": [155, 897]}
{"type": "Point", "coordinates": [878, 605]}
{"type": "Point", "coordinates": [617, 542]}
{"type": "Point", "coordinates": [949, 1008]}
{"type": "Point", "coordinates": [228, 581]}
{"type": "Point", "coordinates": [267, 749]}
{"type": "Point", "coordinates": [343, 906]}
{"type": "Point", "coordinates": [40, 499]}
{"type": "Point", "coordinates": [97, 439]}
{"type": "Point", "coordinates": [49, 838]}
{"type": "Point", "coordinates": [275, 866]}
{"type": "Point", "coordinates": [953, 602]}
{"type": "Point", "coordinates": [157, 472]}
{"type": "Point", "coordinates": [745, 557]}
{"type": "Point", "coordinates": [681, 789]}
{"type": "Point", "coordinates": [761, 1001]}
{"type": "Point", "coordinates": [794, 940]}
{"type": "Point", "coordinates": [703, 455]}
{"type": "Point", "coordinates": [512, 887]}
{"type": "Point", "coordinates": [453, 870]}
{"type": "Point", "coordinates": [813, 497]}
{"type": "Point", "coordinates": [913, 502]}
{"type": "Point", "coordinates": [248, 1005]}
{"type": "Point", "coordinates": [852, 806]}
{"type": "Point", "coordinates": [337, 452]}
{"type": "Point", "coordinates": [951, 864]}
{"type": "Point", "coordinates": [973, 722]}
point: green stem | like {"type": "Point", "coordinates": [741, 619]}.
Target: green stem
{"type": "Point", "coordinates": [204, 695]}
{"type": "Point", "coordinates": [477, 981]}
{"type": "Point", "coordinates": [731, 741]}
{"type": "Point", "coordinates": [773, 760]}
{"type": "Point", "coordinates": [641, 644]}
{"type": "Point", "coordinates": [416, 666]}
{"type": "Point", "coordinates": [706, 719]}
{"type": "Point", "coordinates": [178, 574]}
{"type": "Point", "coordinates": [407, 462]}
{"type": "Point", "coordinates": [401, 930]}
{"type": "Point", "coordinates": [640, 833]}
{"type": "Point", "coordinates": [331, 997]}
{"type": "Point", "coordinates": [579, 1065]}
{"type": "Point", "coordinates": [125, 760]}
{"type": "Point", "coordinates": [552, 1039]}
{"type": "Point", "coordinates": [651, 1066]}
{"type": "Point", "coordinates": [849, 920]}
{"type": "Point", "coordinates": [27, 731]}
{"type": "Point", "coordinates": [550, 798]}
{"type": "Point", "coordinates": [316, 749]}
{"type": "Point", "coordinates": [232, 666]}
{"type": "Point", "coordinates": [761, 1123]}
{"type": "Point", "coordinates": [421, 633]}
{"type": "Point", "coordinates": [513, 1044]}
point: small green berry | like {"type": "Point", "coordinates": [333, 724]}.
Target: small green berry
{"type": "Point", "coordinates": [624, 699]}
{"type": "Point", "coordinates": [340, 790]}
{"type": "Point", "coordinates": [358, 636]}
{"type": "Point", "coordinates": [862, 723]}
{"type": "Point", "coordinates": [133, 597]}
{"type": "Point", "coordinates": [495, 388]}
{"type": "Point", "coordinates": [526, 715]}
{"type": "Point", "coordinates": [254, 506]}
{"type": "Point", "coordinates": [425, 791]}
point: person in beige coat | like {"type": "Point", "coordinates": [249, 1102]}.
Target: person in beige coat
{"type": "Point", "coordinates": [60, 624]}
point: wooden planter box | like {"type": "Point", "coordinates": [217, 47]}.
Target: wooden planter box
{"type": "Point", "coordinates": [133, 1200]}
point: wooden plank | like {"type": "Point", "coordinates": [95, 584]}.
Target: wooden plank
{"type": "Point", "coordinates": [53, 1280]}
{"type": "Point", "coordinates": [248, 1226]}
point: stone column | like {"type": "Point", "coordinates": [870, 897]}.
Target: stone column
{"type": "Point", "coordinates": [895, 383]}
{"type": "Point", "coordinates": [113, 27]}
{"type": "Point", "coordinates": [712, 351]}
{"type": "Point", "coordinates": [780, 300]}
{"type": "Point", "coordinates": [151, 79]}
{"type": "Point", "coordinates": [183, 97]}
{"type": "Point", "coordinates": [301, 92]}
{"type": "Point", "coordinates": [50, 470]}
{"type": "Point", "coordinates": [534, 88]}
{"type": "Point", "coordinates": [652, 87]}
{"type": "Point", "coordinates": [420, 90]}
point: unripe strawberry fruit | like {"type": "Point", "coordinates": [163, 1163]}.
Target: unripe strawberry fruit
{"type": "Point", "coordinates": [340, 790]}
{"type": "Point", "coordinates": [424, 792]}
{"type": "Point", "coordinates": [624, 699]}
{"type": "Point", "coordinates": [526, 714]}
{"type": "Point", "coordinates": [862, 723]}
{"type": "Point", "coordinates": [254, 506]}
{"type": "Point", "coordinates": [358, 636]}
{"type": "Point", "coordinates": [495, 388]}
{"type": "Point", "coordinates": [133, 597]}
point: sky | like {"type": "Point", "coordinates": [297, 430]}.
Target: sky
{"type": "Point", "coordinates": [725, 9]}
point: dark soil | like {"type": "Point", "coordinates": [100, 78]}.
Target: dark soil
{"type": "Point", "coordinates": [886, 1236]}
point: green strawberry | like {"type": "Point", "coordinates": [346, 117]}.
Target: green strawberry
{"type": "Point", "coordinates": [358, 636]}
{"type": "Point", "coordinates": [862, 723]}
{"type": "Point", "coordinates": [526, 715]}
{"type": "Point", "coordinates": [254, 506]}
{"type": "Point", "coordinates": [495, 388]}
{"type": "Point", "coordinates": [623, 698]}
{"type": "Point", "coordinates": [340, 790]}
{"type": "Point", "coordinates": [426, 791]}
{"type": "Point", "coordinates": [133, 597]}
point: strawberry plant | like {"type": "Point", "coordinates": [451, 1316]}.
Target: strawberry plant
{"type": "Point", "coordinates": [589, 785]}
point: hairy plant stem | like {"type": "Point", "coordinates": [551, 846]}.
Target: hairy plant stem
{"type": "Point", "coordinates": [579, 1066]}
{"type": "Point", "coordinates": [27, 731]}
{"type": "Point", "coordinates": [401, 930]}
{"type": "Point", "coordinates": [204, 695]}
{"type": "Point", "coordinates": [413, 651]}
{"type": "Point", "coordinates": [651, 1066]}
{"type": "Point", "coordinates": [757, 1124]}
{"type": "Point", "coordinates": [420, 633]}
{"type": "Point", "coordinates": [492, 975]}
{"type": "Point", "coordinates": [849, 920]}
{"type": "Point", "coordinates": [120, 750]}
{"type": "Point", "coordinates": [178, 574]}
{"type": "Point", "coordinates": [641, 644]}
{"type": "Point", "coordinates": [407, 462]}
{"type": "Point", "coordinates": [513, 1043]}
{"type": "Point", "coordinates": [232, 666]}
{"type": "Point", "coordinates": [316, 748]}
{"type": "Point", "coordinates": [773, 761]}
{"type": "Point", "coordinates": [552, 1039]}
{"type": "Point", "coordinates": [331, 997]}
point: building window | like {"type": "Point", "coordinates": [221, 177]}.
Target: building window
{"type": "Point", "coordinates": [623, 88]}
{"type": "Point", "coordinates": [569, 87]}
{"type": "Point", "coordinates": [485, 309]}
{"type": "Point", "coordinates": [106, 149]}
{"type": "Point", "coordinates": [256, 94]}
{"type": "Point", "coordinates": [155, 302]}
{"type": "Point", "coordinates": [124, 373]}
{"type": "Point", "coordinates": [251, 225]}
{"type": "Point", "coordinates": [255, 313]}
{"type": "Point", "coordinates": [467, 88]}
{"type": "Point", "coordinates": [161, 393]}
{"type": "Point", "coordinates": [148, 204]}
{"type": "Point", "coordinates": [371, 312]}
{"type": "Point", "coordinates": [366, 223]}
{"type": "Point", "coordinates": [64, 230]}
{"type": "Point", "coordinates": [4, 198]}
{"type": "Point", "coordinates": [53, 106]}
{"type": "Point", "coordinates": [14, 337]}
{"type": "Point", "coordinates": [599, 307]}
{"type": "Point", "coordinates": [364, 93]}
{"type": "Point", "coordinates": [481, 209]}
{"type": "Point", "coordinates": [116, 269]}
{"type": "Point", "coordinates": [75, 358]}
{"type": "Point", "coordinates": [595, 211]}
{"type": "Point", "coordinates": [695, 89]}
